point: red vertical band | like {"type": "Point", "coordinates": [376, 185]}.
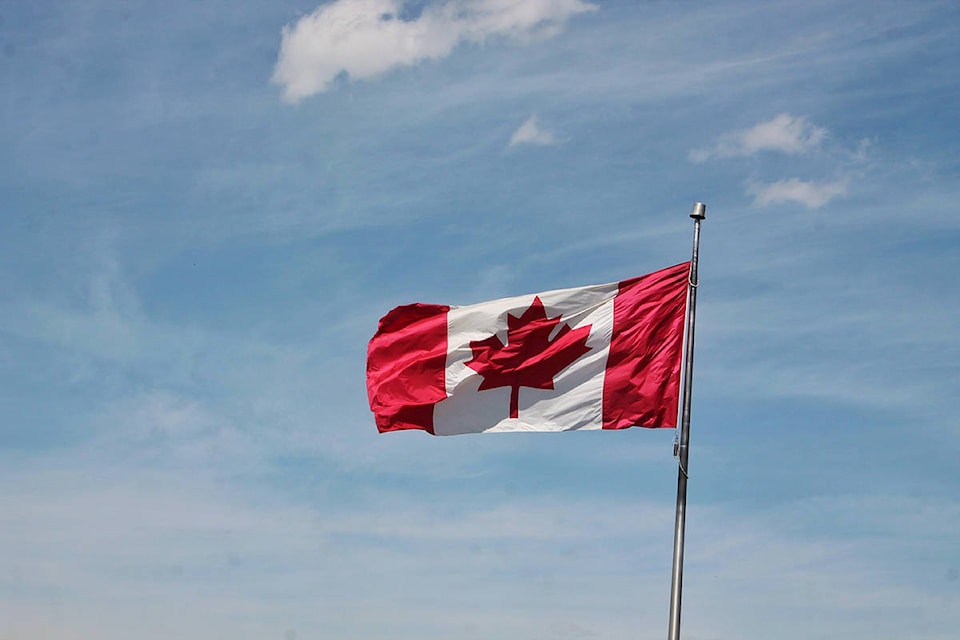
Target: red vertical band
{"type": "Point", "coordinates": [641, 386]}
{"type": "Point", "coordinates": [406, 362]}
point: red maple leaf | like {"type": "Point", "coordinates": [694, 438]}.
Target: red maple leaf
{"type": "Point", "coordinates": [530, 358]}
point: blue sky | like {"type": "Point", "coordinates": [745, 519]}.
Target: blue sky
{"type": "Point", "coordinates": [207, 206]}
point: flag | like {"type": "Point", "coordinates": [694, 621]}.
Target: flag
{"type": "Point", "coordinates": [597, 357]}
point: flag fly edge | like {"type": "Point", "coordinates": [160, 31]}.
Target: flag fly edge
{"type": "Point", "coordinates": [406, 361]}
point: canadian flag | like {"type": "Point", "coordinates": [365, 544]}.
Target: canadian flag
{"type": "Point", "coordinates": [598, 357]}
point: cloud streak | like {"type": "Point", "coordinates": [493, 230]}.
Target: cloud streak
{"type": "Point", "coordinates": [530, 132]}
{"type": "Point", "coordinates": [785, 133]}
{"type": "Point", "coordinates": [367, 38]}
{"type": "Point", "coordinates": [812, 195]}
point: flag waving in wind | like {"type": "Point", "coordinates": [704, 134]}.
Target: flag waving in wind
{"type": "Point", "coordinates": [597, 357]}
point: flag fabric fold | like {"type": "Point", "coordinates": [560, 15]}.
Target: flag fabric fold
{"type": "Point", "coordinates": [597, 357]}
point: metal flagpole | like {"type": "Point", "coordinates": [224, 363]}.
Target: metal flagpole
{"type": "Point", "coordinates": [676, 586]}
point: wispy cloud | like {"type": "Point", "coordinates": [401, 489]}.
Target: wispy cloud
{"type": "Point", "coordinates": [812, 195]}
{"type": "Point", "coordinates": [172, 537]}
{"type": "Point", "coordinates": [530, 132]}
{"type": "Point", "coordinates": [365, 38]}
{"type": "Point", "coordinates": [790, 135]}
{"type": "Point", "coordinates": [784, 133]}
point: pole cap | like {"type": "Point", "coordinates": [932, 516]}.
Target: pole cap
{"type": "Point", "coordinates": [699, 211]}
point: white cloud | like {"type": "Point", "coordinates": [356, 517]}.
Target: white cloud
{"type": "Point", "coordinates": [530, 132]}
{"type": "Point", "coordinates": [365, 38]}
{"type": "Point", "coordinates": [785, 133]}
{"type": "Point", "coordinates": [812, 195]}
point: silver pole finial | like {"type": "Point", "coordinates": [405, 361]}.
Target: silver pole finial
{"type": "Point", "coordinates": [699, 211]}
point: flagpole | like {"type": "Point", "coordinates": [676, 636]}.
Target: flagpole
{"type": "Point", "coordinates": [676, 586]}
